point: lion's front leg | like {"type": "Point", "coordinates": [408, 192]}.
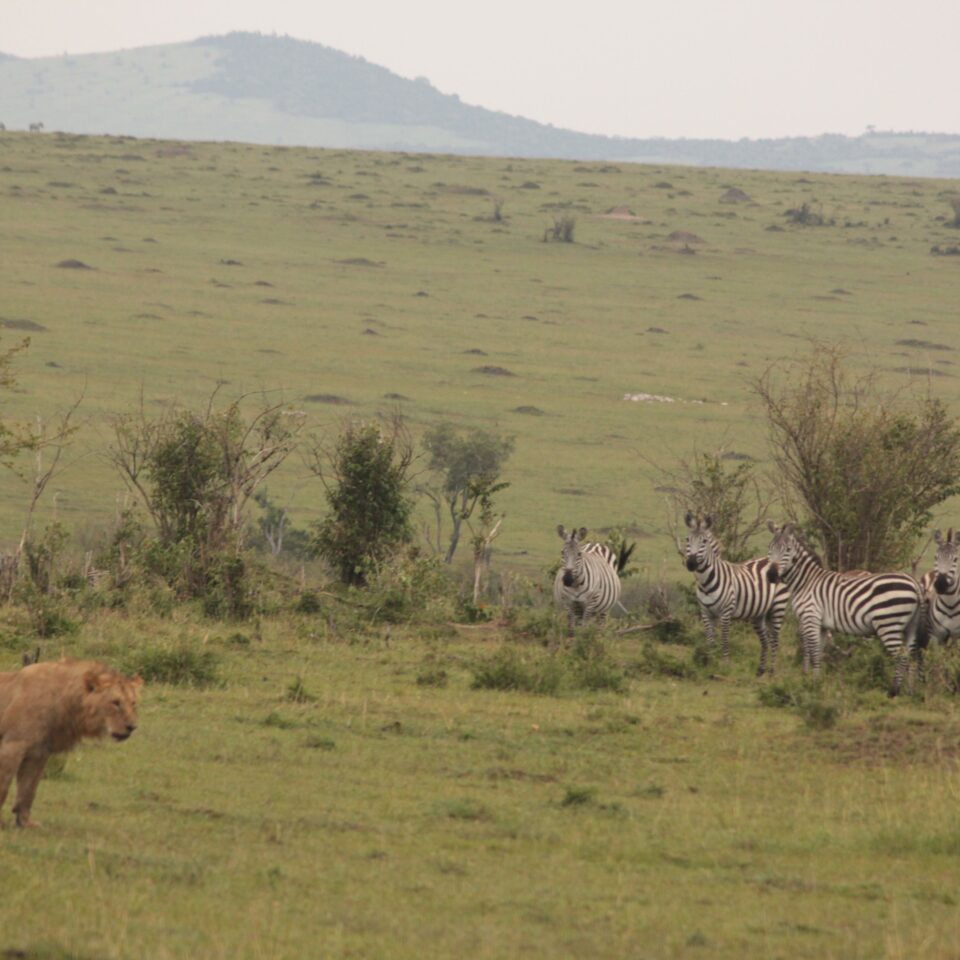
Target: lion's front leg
{"type": "Point", "coordinates": [28, 779]}
{"type": "Point", "coordinates": [11, 757]}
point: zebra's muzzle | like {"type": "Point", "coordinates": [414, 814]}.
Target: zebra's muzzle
{"type": "Point", "coordinates": [773, 573]}
{"type": "Point", "coordinates": [568, 578]}
{"type": "Point", "coordinates": [691, 563]}
{"type": "Point", "coordinates": [941, 583]}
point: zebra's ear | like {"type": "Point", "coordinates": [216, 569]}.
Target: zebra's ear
{"type": "Point", "coordinates": [772, 527]}
{"type": "Point", "coordinates": [561, 531]}
{"type": "Point", "coordinates": [950, 536]}
{"type": "Point", "coordinates": [708, 521]}
{"type": "Point", "coordinates": [581, 533]}
{"type": "Point", "coordinates": [689, 520]}
{"type": "Point", "coordinates": [938, 537]}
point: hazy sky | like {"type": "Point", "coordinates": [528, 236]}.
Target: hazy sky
{"type": "Point", "coordinates": [693, 68]}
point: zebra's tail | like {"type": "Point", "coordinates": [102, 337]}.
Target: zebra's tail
{"type": "Point", "coordinates": [916, 634]}
{"type": "Point", "coordinates": [625, 553]}
{"type": "Point", "coordinates": [920, 627]}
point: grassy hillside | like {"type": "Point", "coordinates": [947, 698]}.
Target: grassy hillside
{"type": "Point", "coordinates": [361, 278]}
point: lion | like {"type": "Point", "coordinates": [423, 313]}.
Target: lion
{"type": "Point", "coordinates": [48, 708]}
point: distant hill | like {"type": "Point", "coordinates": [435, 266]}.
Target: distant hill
{"type": "Point", "coordinates": [277, 90]}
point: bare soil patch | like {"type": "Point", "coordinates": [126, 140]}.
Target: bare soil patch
{"type": "Point", "coordinates": [360, 262]}
{"type": "Point", "coordinates": [330, 398]}
{"type": "Point", "coordinates": [923, 344]}
{"type": "Point", "coordinates": [30, 325]}
{"type": "Point", "coordinates": [684, 236]}
{"type": "Point", "coordinates": [883, 740]}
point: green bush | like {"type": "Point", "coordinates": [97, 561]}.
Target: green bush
{"type": "Point", "coordinates": [366, 479]}
{"type": "Point", "coordinates": [408, 587]}
{"type": "Point", "coordinates": [510, 669]}
{"type": "Point", "coordinates": [182, 665]}
{"type": "Point", "coordinates": [818, 707]}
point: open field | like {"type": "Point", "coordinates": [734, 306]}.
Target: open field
{"type": "Point", "coordinates": [396, 812]}
{"type": "Point", "coordinates": [369, 281]}
{"type": "Point", "coordinates": [344, 788]}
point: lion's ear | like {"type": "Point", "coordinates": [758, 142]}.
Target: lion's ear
{"type": "Point", "coordinates": [91, 681]}
{"type": "Point", "coordinates": [137, 681]}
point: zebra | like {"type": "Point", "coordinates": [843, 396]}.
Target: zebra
{"type": "Point", "coordinates": [588, 581]}
{"type": "Point", "coordinates": [942, 588]}
{"type": "Point", "coordinates": [887, 605]}
{"type": "Point", "coordinates": [734, 591]}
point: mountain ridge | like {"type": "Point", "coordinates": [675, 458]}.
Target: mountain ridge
{"type": "Point", "coordinates": [271, 89]}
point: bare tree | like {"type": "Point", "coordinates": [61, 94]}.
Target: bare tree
{"type": "Point", "coordinates": [466, 467]}
{"type": "Point", "coordinates": [723, 486]}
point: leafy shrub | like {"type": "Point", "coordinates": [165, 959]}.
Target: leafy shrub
{"type": "Point", "coordinates": [587, 666]}
{"type": "Point", "coordinates": [509, 669]}
{"type": "Point", "coordinates": [432, 676]}
{"type": "Point", "coordinates": [409, 586]}
{"type": "Point", "coordinates": [816, 706]}
{"type": "Point", "coordinates": [297, 692]}
{"type": "Point", "coordinates": [578, 796]}
{"type": "Point", "coordinates": [366, 480]}
{"type": "Point", "coordinates": [941, 669]}
{"type": "Point", "coordinates": [655, 663]}
{"type": "Point", "coordinates": [308, 602]}
{"type": "Point", "coordinates": [592, 668]}
{"type": "Point", "coordinates": [182, 665]}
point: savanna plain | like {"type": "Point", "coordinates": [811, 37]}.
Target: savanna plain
{"type": "Point", "coordinates": [317, 782]}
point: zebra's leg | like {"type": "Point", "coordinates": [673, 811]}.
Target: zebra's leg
{"type": "Point", "coordinates": [900, 651]}
{"type": "Point", "coordinates": [708, 626]}
{"type": "Point", "coordinates": [810, 637]}
{"type": "Point", "coordinates": [775, 623]}
{"type": "Point", "coordinates": [725, 636]}
{"type": "Point", "coordinates": [760, 626]}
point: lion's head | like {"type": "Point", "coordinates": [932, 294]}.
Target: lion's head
{"type": "Point", "coordinates": [110, 703]}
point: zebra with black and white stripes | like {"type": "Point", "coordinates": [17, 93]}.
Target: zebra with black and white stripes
{"type": "Point", "coordinates": [887, 605]}
{"type": "Point", "coordinates": [734, 591]}
{"type": "Point", "coordinates": [588, 581]}
{"type": "Point", "coordinates": [942, 588]}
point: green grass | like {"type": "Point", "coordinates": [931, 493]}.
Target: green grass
{"type": "Point", "coordinates": [385, 817]}
{"type": "Point", "coordinates": [366, 277]}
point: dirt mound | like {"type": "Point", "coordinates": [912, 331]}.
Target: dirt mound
{"type": "Point", "coordinates": [494, 371]}
{"type": "Point", "coordinates": [736, 195]}
{"type": "Point", "coordinates": [621, 212]}
{"type": "Point", "coordinates": [685, 236]}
